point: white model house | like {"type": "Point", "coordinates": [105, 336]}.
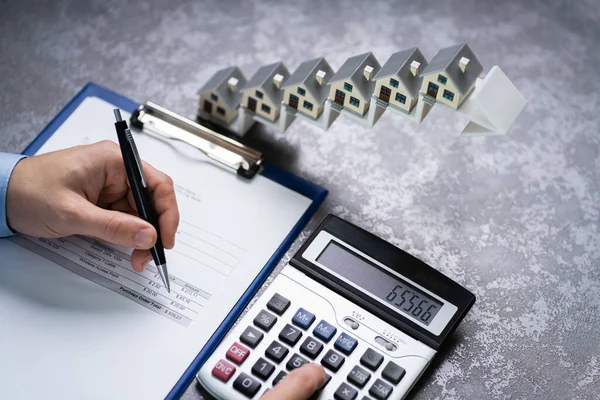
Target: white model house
{"type": "Point", "coordinates": [352, 86]}
{"type": "Point", "coordinates": [451, 75]}
{"type": "Point", "coordinates": [220, 96]}
{"type": "Point", "coordinates": [307, 89]}
{"type": "Point", "coordinates": [262, 94]}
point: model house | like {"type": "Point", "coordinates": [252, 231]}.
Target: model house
{"type": "Point", "coordinates": [262, 94]}
{"type": "Point", "coordinates": [398, 82]}
{"type": "Point", "coordinates": [307, 89]}
{"type": "Point", "coordinates": [352, 86]}
{"type": "Point", "coordinates": [451, 75]}
{"type": "Point", "coordinates": [220, 96]}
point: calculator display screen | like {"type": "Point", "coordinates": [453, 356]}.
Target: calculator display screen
{"type": "Point", "coordinates": [399, 294]}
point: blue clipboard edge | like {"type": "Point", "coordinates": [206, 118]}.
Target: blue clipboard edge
{"type": "Point", "coordinates": [316, 193]}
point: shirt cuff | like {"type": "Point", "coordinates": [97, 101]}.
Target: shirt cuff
{"type": "Point", "coordinates": [7, 164]}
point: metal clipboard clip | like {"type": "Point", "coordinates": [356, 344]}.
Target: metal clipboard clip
{"type": "Point", "coordinates": [158, 120]}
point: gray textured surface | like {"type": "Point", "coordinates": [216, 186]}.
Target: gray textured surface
{"type": "Point", "coordinates": [514, 218]}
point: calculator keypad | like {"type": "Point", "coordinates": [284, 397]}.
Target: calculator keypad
{"type": "Point", "coordinates": [364, 378]}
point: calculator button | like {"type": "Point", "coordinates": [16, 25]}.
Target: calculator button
{"type": "Point", "coordinates": [223, 370]}
{"type": "Point", "coordinates": [359, 376]}
{"type": "Point", "coordinates": [263, 369]}
{"type": "Point", "coordinates": [251, 337]}
{"type": "Point", "coordinates": [246, 385]}
{"type": "Point", "coordinates": [296, 362]}
{"type": "Point", "coordinates": [332, 360]}
{"type": "Point", "coordinates": [393, 372]}
{"type": "Point", "coordinates": [324, 331]}
{"type": "Point", "coordinates": [276, 351]}
{"type": "Point", "coordinates": [265, 320]}
{"type": "Point", "coordinates": [345, 343]}
{"type": "Point", "coordinates": [365, 398]}
{"type": "Point", "coordinates": [290, 335]}
{"type": "Point", "coordinates": [380, 390]}
{"type": "Point", "coordinates": [279, 377]}
{"type": "Point", "coordinates": [278, 304]}
{"type": "Point", "coordinates": [303, 318]}
{"type": "Point", "coordinates": [345, 392]}
{"type": "Point", "coordinates": [371, 359]}
{"type": "Point", "coordinates": [237, 353]}
{"type": "Point", "coordinates": [311, 348]}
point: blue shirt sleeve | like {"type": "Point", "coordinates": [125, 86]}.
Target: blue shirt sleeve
{"type": "Point", "coordinates": [7, 164]}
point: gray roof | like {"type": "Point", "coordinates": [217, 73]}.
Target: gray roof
{"type": "Point", "coordinates": [398, 66]}
{"type": "Point", "coordinates": [263, 79]}
{"type": "Point", "coordinates": [447, 60]}
{"type": "Point", "coordinates": [305, 75]}
{"type": "Point", "coordinates": [218, 84]}
{"type": "Point", "coordinates": [352, 70]}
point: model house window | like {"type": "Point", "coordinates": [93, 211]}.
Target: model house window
{"type": "Point", "coordinates": [293, 100]}
{"type": "Point", "coordinates": [393, 83]}
{"type": "Point", "coordinates": [401, 98]}
{"type": "Point", "coordinates": [221, 110]}
{"type": "Point", "coordinates": [354, 101]}
{"type": "Point", "coordinates": [448, 95]}
{"type": "Point", "coordinates": [307, 105]}
{"type": "Point", "coordinates": [214, 97]}
{"type": "Point", "coordinates": [347, 86]}
{"type": "Point", "coordinates": [251, 101]}
{"type": "Point", "coordinates": [259, 94]}
{"type": "Point", "coordinates": [301, 91]}
{"type": "Point", "coordinates": [442, 79]}
{"type": "Point", "coordinates": [265, 108]}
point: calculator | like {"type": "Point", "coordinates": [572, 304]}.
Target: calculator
{"type": "Point", "coordinates": [371, 314]}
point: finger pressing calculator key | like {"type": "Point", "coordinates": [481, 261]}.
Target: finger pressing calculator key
{"type": "Point", "coordinates": [373, 346]}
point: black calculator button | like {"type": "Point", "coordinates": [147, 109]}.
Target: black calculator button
{"type": "Point", "coordinates": [265, 320]}
{"type": "Point", "coordinates": [332, 360]}
{"type": "Point", "coordinates": [324, 331]}
{"type": "Point", "coordinates": [295, 362]}
{"type": "Point", "coordinates": [263, 369]}
{"type": "Point", "coordinates": [246, 385]}
{"type": "Point", "coordinates": [345, 392]}
{"type": "Point", "coordinates": [311, 347]}
{"type": "Point", "coordinates": [290, 335]}
{"type": "Point", "coordinates": [393, 373]}
{"type": "Point", "coordinates": [278, 304]}
{"type": "Point", "coordinates": [371, 359]}
{"type": "Point", "coordinates": [276, 351]}
{"type": "Point", "coordinates": [251, 337]}
{"type": "Point", "coordinates": [380, 390]}
{"type": "Point", "coordinates": [345, 343]}
{"type": "Point", "coordinates": [279, 377]}
{"type": "Point", "coordinates": [365, 398]}
{"type": "Point", "coordinates": [303, 318]}
{"type": "Point", "coordinates": [359, 376]}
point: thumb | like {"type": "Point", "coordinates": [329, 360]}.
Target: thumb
{"type": "Point", "coordinates": [116, 227]}
{"type": "Point", "coordinates": [300, 384]}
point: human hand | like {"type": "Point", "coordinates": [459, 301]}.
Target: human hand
{"type": "Point", "coordinates": [300, 384]}
{"type": "Point", "coordinates": [84, 191]}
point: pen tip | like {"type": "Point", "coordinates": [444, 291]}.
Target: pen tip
{"type": "Point", "coordinates": [117, 113]}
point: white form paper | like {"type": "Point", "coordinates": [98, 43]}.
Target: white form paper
{"type": "Point", "coordinates": [77, 322]}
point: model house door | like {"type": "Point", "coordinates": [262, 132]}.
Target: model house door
{"type": "Point", "coordinates": [207, 107]}
{"type": "Point", "coordinates": [251, 104]}
{"type": "Point", "coordinates": [384, 94]}
{"type": "Point", "coordinates": [339, 97]}
{"type": "Point", "coordinates": [293, 101]}
{"type": "Point", "coordinates": [432, 89]}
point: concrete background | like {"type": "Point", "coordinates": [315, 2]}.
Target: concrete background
{"type": "Point", "coordinates": [514, 218]}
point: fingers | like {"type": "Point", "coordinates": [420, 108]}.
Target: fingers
{"type": "Point", "coordinates": [162, 192]}
{"type": "Point", "coordinates": [300, 384]}
{"type": "Point", "coordinates": [113, 226]}
{"type": "Point", "coordinates": [140, 259]}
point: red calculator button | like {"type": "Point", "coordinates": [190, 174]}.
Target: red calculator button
{"type": "Point", "coordinates": [237, 353]}
{"type": "Point", "coordinates": [223, 370]}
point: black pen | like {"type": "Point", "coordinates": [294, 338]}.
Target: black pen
{"type": "Point", "coordinates": [137, 181]}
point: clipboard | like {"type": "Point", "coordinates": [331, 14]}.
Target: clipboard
{"type": "Point", "coordinates": [315, 193]}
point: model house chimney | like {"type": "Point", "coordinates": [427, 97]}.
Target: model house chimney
{"type": "Point", "coordinates": [462, 64]}
{"type": "Point", "coordinates": [414, 67]}
{"type": "Point", "coordinates": [368, 72]}
{"type": "Point", "coordinates": [321, 77]}
{"type": "Point", "coordinates": [278, 80]}
{"type": "Point", "coordinates": [232, 84]}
